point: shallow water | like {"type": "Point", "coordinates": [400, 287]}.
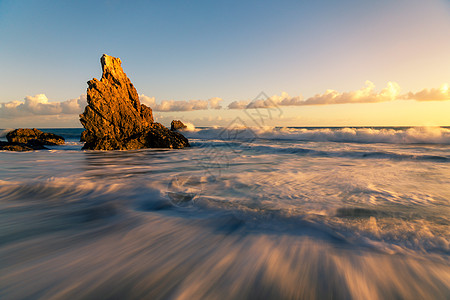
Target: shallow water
{"type": "Point", "coordinates": [268, 213]}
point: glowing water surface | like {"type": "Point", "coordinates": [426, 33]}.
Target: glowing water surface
{"type": "Point", "coordinates": [283, 214]}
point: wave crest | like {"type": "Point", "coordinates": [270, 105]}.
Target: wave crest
{"type": "Point", "coordinates": [412, 135]}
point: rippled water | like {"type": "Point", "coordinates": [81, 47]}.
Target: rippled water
{"type": "Point", "coordinates": [269, 213]}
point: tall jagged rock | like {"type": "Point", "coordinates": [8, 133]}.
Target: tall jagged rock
{"type": "Point", "coordinates": [115, 119]}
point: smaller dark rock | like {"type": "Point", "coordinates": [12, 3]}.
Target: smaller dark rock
{"type": "Point", "coordinates": [24, 139]}
{"type": "Point", "coordinates": [158, 136]}
{"type": "Point", "coordinates": [83, 136]}
{"type": "Point", "coordinates": [176, 125]}
{"type": "Point", "coordinates": [34, 137]}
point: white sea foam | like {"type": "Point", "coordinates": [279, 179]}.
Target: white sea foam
{"type": "Point", "coordinates": [413, 135]}
{"type": "Point", "coordinates": [4, 132]}
{"type": "Point", "coordinates": [189, 127]}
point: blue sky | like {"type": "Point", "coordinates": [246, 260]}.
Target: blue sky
{"type": "Point", "coordinates": [183, 50]}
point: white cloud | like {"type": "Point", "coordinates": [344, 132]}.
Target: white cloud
{"type": "Point", "coordinates": [214, 103]}
{"type": "Point", "coordinates": [239, 104]}
{"type": "Point", "coordinates": [439, 94]}
{"type": "Point", "coordinates": [181, 105]}
{"type": "Point", "coordinates": [364, 95]}
{"type": "Point", "coordinates": [149, 101]}
{"type": "Point", "coordinates": [39, 105]}
{"type": "Point", "coordinates": [274, 101]}
{"type": "Point", "coordinates": [283, 100]}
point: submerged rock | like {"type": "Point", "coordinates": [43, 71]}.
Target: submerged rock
{"type": "Point", "coordinates": [115, 119]}
{"type": "Point", "coordinates": [34, 136]}
{"type": "Point", "coordinates": [20, 146]}
{"type": "Point", "coordinates": [177, 125]}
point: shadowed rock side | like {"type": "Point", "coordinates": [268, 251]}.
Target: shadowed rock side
{"type": "Point", "coordinates": [24, 139]}
{"type": "Point", "coordinates": [114, 118]}
{"type": "Point", "coordinates": [19, 147]}
{"type": "Point", "coordinates": [177, 125]}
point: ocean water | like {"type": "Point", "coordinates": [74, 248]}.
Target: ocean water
{"type": "Point", "coordinates": [245, 213]}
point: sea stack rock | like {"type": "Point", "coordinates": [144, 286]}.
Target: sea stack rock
{"type": "Point", "coordinates": [177, 125]}
{"type": "Point", "coordinates": [114, 118]}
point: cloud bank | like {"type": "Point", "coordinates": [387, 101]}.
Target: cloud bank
{"type": "Point", "coordinates": [440, 94]}
{"type": "Point", "coordinates": [39, 105]}
{"type": "Point", "coordinates": [283, 100]}
{"type": "Point", "coordinates": [364, 95]}
{"type": "Point", "coordinates": [180, 105]}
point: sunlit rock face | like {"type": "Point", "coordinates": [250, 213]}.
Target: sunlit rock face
{"type": "Point", "coordinates": [115, 119]}
{"type": "Point", "coordinates": [26, 135]}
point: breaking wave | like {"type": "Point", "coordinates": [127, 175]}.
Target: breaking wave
{"type": "Point", "coordinates": [4, 132]}
{"type": "Point", "coordinates": [412, 135]}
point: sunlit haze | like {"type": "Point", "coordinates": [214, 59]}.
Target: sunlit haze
{"type": "Point", "coordinates": [335, 63]}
